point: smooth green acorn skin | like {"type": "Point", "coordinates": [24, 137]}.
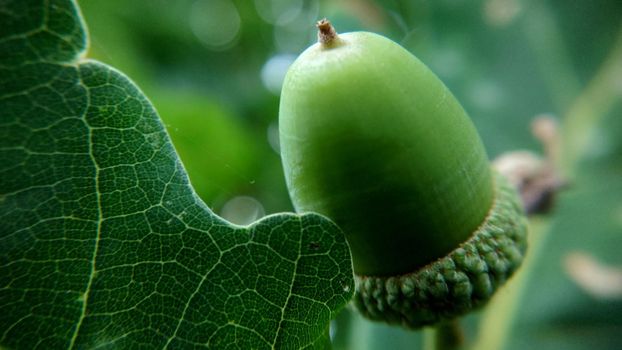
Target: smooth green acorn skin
{"type": "Point", "coordinates": [371, 138]}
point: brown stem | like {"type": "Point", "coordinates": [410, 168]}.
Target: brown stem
{"type": "Point", "coordinates": [326, 34]}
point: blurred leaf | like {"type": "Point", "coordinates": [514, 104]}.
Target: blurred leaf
{"type": "Point", "coordinates": [103, 243]}
{"type": "Point", "coordinates": [219, 152]}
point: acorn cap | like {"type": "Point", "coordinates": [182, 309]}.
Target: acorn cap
{"type": "Point", "coordinates": [463, 280]}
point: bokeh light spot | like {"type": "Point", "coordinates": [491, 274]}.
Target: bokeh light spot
{"type": "Point", "coordinates": [278, 11]}
{"type": "Point", "coordinates": [274, 70]}
{"type": "Point", "coordinates": [215, 22]}
{"type": "Point", "coordinates": [242, 210]}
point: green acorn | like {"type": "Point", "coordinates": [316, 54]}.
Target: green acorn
{"type": "Point", "coordinates": [372, 139]}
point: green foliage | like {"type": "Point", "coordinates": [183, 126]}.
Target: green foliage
{"type": "Point", "coordinates": [505, 61]}
{"type": "Point", "coordinates": [104, 243]}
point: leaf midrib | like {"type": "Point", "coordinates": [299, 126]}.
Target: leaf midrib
{"type": "Point", "coordinates": [85, 295]}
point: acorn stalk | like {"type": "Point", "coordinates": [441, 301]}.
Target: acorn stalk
{"type": "Point", "coordinates": [372, 139]}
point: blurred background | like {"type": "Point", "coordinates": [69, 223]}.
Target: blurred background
{"type": "Point", "coordinates": [214, 68]}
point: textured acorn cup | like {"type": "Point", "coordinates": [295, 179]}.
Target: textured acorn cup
{"type": "Point", "coordinates": [372, 139]}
